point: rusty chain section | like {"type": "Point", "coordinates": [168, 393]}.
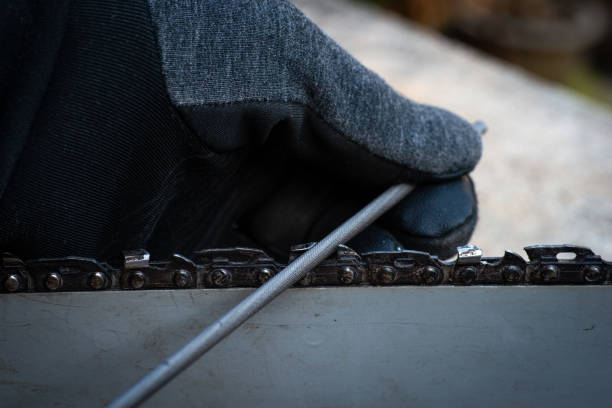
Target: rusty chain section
{"type": "Point", "coordinates": [249, 267]}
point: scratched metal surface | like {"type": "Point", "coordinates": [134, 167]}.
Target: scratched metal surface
{"type": "Point", "coordinates": [341, 347]}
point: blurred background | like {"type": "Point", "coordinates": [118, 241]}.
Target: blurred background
{"type": "Point", "coordinates": [538, 72]}
{"type": "Point", "coordinates": [568, 41]}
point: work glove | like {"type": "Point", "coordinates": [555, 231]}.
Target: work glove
{"type": "Point", "coordinates": [181, 125]}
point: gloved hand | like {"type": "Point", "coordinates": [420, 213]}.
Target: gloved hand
{"type": "Point", "coordinates": [180, 125]}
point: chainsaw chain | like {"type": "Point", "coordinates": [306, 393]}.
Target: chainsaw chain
{"type": "Point", "coordinates": [249, 267]}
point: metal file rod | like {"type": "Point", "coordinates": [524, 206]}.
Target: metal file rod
{"type": "Point", "coordinates": [295, 271]}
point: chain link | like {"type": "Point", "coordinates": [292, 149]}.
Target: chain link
{"type": "Point", "coordinates": [249, 267]}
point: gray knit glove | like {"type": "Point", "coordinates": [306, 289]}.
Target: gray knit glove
{"type": "Point", "coordinates": [180, 125]}
{"type": "Point", "coordinates": [247, 73]}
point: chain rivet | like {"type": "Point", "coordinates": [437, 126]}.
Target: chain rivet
{"type": "Point", "coordinates": [467, 275]}
{"type": "Point", "coordinates": [550, 273]}
{"type": "Point", "coordinates": [137, 280]}
{"type": "Point", "coordinates": [263, 275]}
{"type": "Point", "coordinates": [182, 278]}
{"type": "Point", "coordinates": [511, 273]}
{"type": "Point", "coordinates": [431, 275]}
{"type": "Point", "coordinates": [592, 274]}
{"type": "Point", "coordinates": [11, 283]}
{"type": "Point", "coordinates": [53, 281]}
{"type": "Point", "coordinates": [97, 280]}
{"type": "Point", "coordinates": [220, 277]}
{"type": "Point", "coordinates": [347, 275]}
{"type": "Point", "coordinates": [387, 274]}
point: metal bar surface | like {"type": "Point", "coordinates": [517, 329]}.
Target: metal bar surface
{"type": "Point", "coordinates": [340, 346]}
